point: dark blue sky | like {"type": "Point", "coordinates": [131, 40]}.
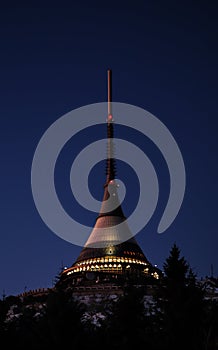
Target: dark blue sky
{"type": "Point", "coordinates": [54, 58]}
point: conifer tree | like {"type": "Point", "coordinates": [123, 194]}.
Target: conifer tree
{"type": "Point", "coordinates": [181, 304]}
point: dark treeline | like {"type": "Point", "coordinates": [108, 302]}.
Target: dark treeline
{"type": "Point", "coordinates": [179, 316]}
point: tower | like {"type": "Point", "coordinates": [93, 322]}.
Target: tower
{"type": "Point", "coordinates": [107, 256]}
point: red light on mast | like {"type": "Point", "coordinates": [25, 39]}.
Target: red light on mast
{"type": "Point", "coordinates": [110, 118]}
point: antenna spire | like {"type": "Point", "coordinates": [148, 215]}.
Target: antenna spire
{"type": "Point", "coordinates": [109, 91]}
{"type": "Point", "coordinates": [110, 168]}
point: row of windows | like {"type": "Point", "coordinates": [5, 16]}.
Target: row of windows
{"type": "Point", "coordinates": [107, 268]}
{"type": "Point", "coordinates": [126, 252]}
{"type": "Point", "coordinates": [111, 260]}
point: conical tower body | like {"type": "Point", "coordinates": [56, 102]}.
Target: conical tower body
{"type": "Point", "coordinates": [111, 251]}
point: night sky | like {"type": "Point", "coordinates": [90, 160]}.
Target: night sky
{"type": "Point", "coordinates": [54, 58]}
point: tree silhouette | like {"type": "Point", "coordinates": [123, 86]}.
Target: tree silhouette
{"type": "Point", "coordinates": [181, 305]}
{"type": "Point", "coordinates": [127, 322]}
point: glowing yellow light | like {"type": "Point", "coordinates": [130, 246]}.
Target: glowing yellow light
{"type": "Point", "coordinates": [156, 275]}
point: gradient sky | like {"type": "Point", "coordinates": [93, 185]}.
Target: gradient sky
{"type": "Point", "coordinates": [54, 58]}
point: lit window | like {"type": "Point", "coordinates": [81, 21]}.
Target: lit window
{"type": "Point", "coordinates": [156, 275]}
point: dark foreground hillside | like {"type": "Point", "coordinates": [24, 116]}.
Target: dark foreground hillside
{"type": "Point", "coordinates": [181, 314]}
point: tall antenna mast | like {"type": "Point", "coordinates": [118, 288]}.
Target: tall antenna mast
{"type": "Point", "coordinates": [109, 91]}
{"type": "Point", "coordinates": [110, 168]}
